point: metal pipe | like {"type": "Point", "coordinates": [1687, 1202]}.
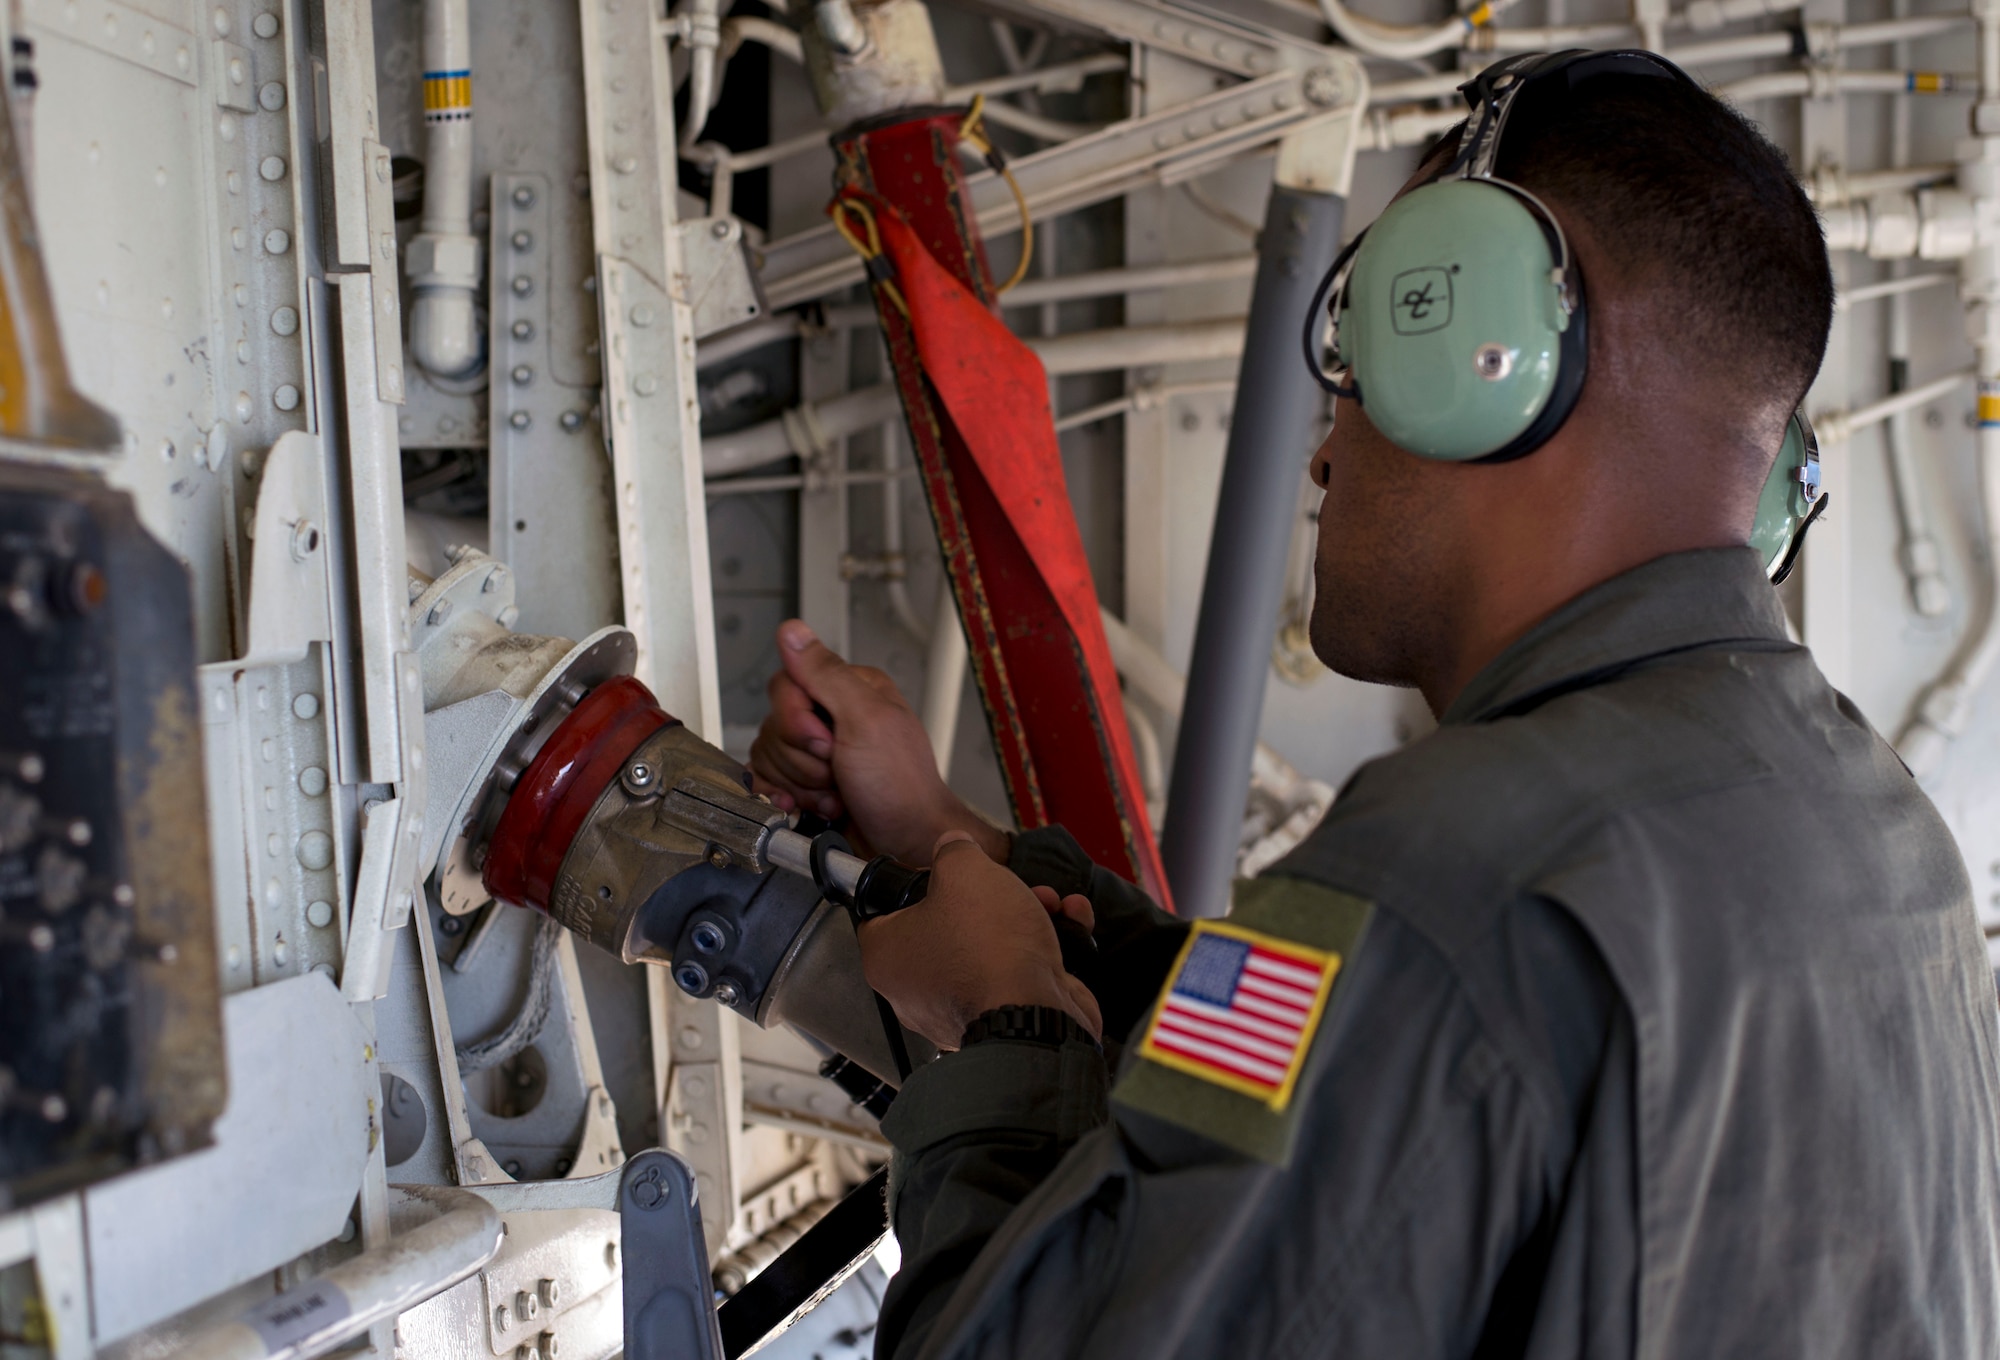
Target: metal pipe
{"type": "Point", "coordinates": [1838, 37]}
{"type": "Point", "coordinates": [803, 429]}
{"type": "Point", "coordinates": [323, 1313]}
{"type": "Point", "coordinates": [1889, 288]}
{"type": "Point", "coordinates": [1818, 84]}
{"type": "Point", "coordinates": [1834, 427]}
{"type": "Point", "coordinates": [1918, 552]}
{"type": "Point", "coordinates": [1277, 406]}
{"type": "Point", "coordinates": [443, 258]}
{"type": "Point", "coordinates": [892, 533]}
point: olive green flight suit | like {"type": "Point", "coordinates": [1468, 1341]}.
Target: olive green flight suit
{"type": "Point", "coordinates": [1663, 1027]}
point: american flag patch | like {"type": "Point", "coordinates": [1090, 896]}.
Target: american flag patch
{"type": "Point", "coordinates": [1240, 1010]}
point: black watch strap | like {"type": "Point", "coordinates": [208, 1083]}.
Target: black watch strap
{"type": "Point", "coordinates": [1048, 1025]}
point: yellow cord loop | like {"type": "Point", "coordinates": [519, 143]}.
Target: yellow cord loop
{"type": "Point", "coordinates": [973, 133]}
{"type": "Point", "coordinates": [880, 268]}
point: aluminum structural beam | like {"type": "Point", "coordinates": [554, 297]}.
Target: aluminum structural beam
{"type": "Point", "coordinates": [1165, 148]}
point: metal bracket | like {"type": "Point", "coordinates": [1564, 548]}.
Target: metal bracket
{"type": "Point", "coordinates": [668, 1315]}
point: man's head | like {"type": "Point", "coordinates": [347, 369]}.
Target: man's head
{"type": "Point", "coordinates": [1709, 299]}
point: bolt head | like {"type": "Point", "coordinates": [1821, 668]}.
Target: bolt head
{"type": "Point", "coordinates": [548, 1346]}
{"type": "Point", "coordinates": [551, 1293]}
{"type": "Point", "coordinates": [707, 937]}
{"type": "Point", "coordinates": [692, 978]}
{"type": "Point", "coordinates": [526, 1306]}
{"type": "Point", "coordinates": [723, 229]}
{"type": "Point", "coordinates": [1324, 87]}
{"type": "Point", "coordinates": [439, 612]}
{"type": "Point", "coordinates": [720, 858]}
{"type": "Point", "coordinates": [726, 993]}
{"type": "Point", "coordinates": [1493, 362]}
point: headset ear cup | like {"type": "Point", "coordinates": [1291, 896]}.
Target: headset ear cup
{"type": "Point", "coordinates": [1455, 328]}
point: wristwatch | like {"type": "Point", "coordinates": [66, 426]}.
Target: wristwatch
{"type": "Point", "coordinates": [1048, 1025]}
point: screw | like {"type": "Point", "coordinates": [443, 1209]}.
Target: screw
{"type": "Point", "coordinates": [524, 197]}
{"type": "Point", "coordinates": [522, 375]}
{"type": "Point", "coordinates": [723, 229]}
{"type": "Point", "coordinates": [692, 978]}
{"type": "Point", "coordinates": [523, 241]}
{"type": "Point", "coordinates": [439, 612]}
{"type": "Point", "coordinates": [1493, 362]}
{"type": "Point", "coordinates": [726, 993]}
{"type": "Point", "coordinates": [520, 420]}
{"type": "Point", "coordinates": [640, 777]}
{"type": "Point", "coordinates": [707, 937]}
{"type": "Point", "coordinates": [572, 421]}
{"type": "Point", "coordinates": [719, 857]}
{"type": "Point", "coordinates": [522, 330]}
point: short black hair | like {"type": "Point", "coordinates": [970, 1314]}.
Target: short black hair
{"type": "Point", "coordinates": [1679, 191]}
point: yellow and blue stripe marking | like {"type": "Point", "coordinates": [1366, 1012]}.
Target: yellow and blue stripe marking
{"type": "Point", "coordinates": [447, 96]}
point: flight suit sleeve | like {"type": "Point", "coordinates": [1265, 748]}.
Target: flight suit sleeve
{"type": "Point", "coordinates": [1136, 941]}
{"type": "Point", "coordinates": [1042, 1215]}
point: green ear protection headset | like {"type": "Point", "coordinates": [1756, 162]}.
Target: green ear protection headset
{"type": "Point", "coordinates": [1459, 316]}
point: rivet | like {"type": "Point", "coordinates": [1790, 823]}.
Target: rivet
{"type": "Point", "coordinates": [523, 240]}
{"type": "Point", "coordinates": [285, 321]}
{"type": "Point", "coordinates": [265, 25]}
{"type": "Point", "coordinates": [286, 398]}
{"type": "Point", "coordinates": [522, 375]}
{"type": "Point", "coordinates": [272, 168]}
{"type": "Point", "coordinates": [277, 241]}
{"type": "Point", "coordinates": [319, 915]}
{"type": "Point", "coordinates": [522, 285]}
{"type": "Point", "coordinates": [524, 197]}
{"type": "Point", "coordinates": [522, 330]}
{"type": "Point", "coordinates": [271, 96]}
{"type": "Point", "coordinates": [520, 420]}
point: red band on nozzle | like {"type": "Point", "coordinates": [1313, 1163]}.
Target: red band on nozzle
{"type": "Point", "coordinates": [562, 784]}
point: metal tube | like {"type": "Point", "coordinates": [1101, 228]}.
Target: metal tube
{"type": "Point", "coordinates": [332, 1308]}
{"type": "Point", "coordinates": [1277, 405]}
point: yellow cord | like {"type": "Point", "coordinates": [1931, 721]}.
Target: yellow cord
{"type": "Point", "coordinates": [870, 249]}
{"type": "Point", "coordinates": [973, 133]}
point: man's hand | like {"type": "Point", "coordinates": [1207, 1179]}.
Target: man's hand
{"type": "Point", "coordinates": [874, 762]}
{"type": "Point", "coordinates": [978, 940]}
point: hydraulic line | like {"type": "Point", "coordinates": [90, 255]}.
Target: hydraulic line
{"type": "Point", "coordinates": [1921, 559]}
{"type": "Point", "coordinates": [1378, 39]}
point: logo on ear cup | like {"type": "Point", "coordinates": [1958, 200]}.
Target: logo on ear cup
{"type": "Point", "coordinates": [1420, 300]}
